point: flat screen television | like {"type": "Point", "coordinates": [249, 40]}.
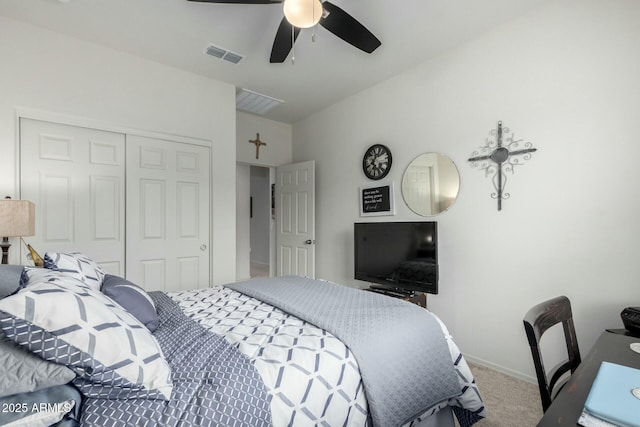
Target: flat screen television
{"type": "Point", "coordinates": [401, 256]}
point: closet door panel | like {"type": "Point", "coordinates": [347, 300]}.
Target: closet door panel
{"type": "Point", "coordinates": [55, 214]}
{"type": "Point", "coordinates": [76, 178]}
{"type": "Point", "coordinates": [106, 205]}
{"type": "Point", "coordinates": [168, 214]}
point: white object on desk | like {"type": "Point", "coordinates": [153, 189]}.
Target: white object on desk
{"type": "Point", "coordinates": [587, 420]}
{"type": "Point", "coordinates": [635, 346]}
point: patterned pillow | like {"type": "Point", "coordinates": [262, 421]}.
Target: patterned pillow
{"type": "Point", "coordinates": [31, 275]}
{"type": "Point", "coordinates": [76, 264]}
{"type": "Point", "coordinates": [132, 298]}
{"type": "Point", "coordinates": [61, 319]}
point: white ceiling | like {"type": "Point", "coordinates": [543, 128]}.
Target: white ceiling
{"type": "Point", "coordinates": [175, 32]}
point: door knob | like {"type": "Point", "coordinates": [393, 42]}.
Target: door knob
{"type": "Point", "coordinates": [203, 247]}
{"type": "Point", "coordinates": [310, 242]}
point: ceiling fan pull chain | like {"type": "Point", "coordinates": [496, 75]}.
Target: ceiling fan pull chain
{"type": "Point", "coordinates": [293, 45]}
{"type": "Point", "coordinates": [313, 29]}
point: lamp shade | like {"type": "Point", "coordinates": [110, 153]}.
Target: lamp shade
{"type": "Point", "coordinates": [17, 218]}
{"type": "Point", "coordinates": [302, 13]}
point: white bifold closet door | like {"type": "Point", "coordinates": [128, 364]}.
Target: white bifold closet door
{"type": "Point", "coordinates": [138, 206]}
{"type": "Point", "coordinates": [167, 214]}
{"type": "Point", "coordinates": [76, 178]}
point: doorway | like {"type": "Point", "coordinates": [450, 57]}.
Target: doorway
{"type": "Point", "coordinates": [255, 225]}
{"type": "Point", "coordinates": [260, 221]}
{"type": "Point", "coordinates": [280, 239]}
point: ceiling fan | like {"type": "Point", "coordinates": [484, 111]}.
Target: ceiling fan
{"type": "Point", "coordinates": [333, 18]}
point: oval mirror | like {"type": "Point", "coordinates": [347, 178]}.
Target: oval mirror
{"type": "Point", "coordinates": [430, 184]}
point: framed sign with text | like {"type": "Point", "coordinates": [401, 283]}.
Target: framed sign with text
{"type": "Point", "coordinates": [377, 200]}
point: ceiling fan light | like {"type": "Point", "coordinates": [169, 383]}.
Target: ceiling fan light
{"type": "Point", "coordinates": [303, 13]}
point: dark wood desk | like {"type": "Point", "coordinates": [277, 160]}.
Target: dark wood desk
{"type": "Point", "coordinates": [567, 407]}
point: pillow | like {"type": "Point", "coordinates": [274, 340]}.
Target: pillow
{"type": "Point", "coordinates": [41, 408]}
{"type": "Point", "coordinates": [132, 298]}
{"type": "Point", "coordinates": [9, 279]}
{"type": "Point", "coordinates": [21, 371]}
{"type": "Point", "coordinates": [63, 320]}
{"type": "Point", "coordinates": [32, 275]}
{"type": "Point", "coordinates": [76, 264]}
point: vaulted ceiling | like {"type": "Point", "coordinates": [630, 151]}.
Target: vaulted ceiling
{"type": "Point", "coordinates": [176, 33]}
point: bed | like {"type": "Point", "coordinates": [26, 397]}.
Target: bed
{"type": "Point", "coordinates": [81, 347]}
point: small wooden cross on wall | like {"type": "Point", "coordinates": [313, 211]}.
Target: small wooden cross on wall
{"type": "Point", "coordinates": [257, 143]}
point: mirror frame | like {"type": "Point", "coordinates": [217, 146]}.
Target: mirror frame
{"type": "Point", "coordinates": [414, 201]}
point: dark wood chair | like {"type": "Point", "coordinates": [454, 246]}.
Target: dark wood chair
{"type": "Point", "coordinates": [536, 322]}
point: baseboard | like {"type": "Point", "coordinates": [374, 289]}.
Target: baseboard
{"type": "Point", "coordinates": [260, 263]}
{"type": "Point", "coordinates": [501, 369]}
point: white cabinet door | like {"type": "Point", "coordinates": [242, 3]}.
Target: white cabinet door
{"type": "Point", "coordinates": [295, 218]}
{"type": "Point", "coordinates": [168, 193]}
{"type": "Point", "coordinates": [76, 178]}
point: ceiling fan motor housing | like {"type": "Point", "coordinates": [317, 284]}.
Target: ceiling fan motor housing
{"type": "Point", "coordinates": [302, 13]}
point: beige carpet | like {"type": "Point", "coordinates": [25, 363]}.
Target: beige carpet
{"type": "Point", "coordinates": [510, 402]}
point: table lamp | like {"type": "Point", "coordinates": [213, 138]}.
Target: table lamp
{"type": "Point", "coordinates": [17, 219]}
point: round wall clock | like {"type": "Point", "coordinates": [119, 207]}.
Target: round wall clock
{"type": "Point", "coordinates": [376, 162]}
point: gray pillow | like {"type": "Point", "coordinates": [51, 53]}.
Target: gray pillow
{"type": "Point", "coordinates": [59, 406]}
{"type": "Point", "coordinates": [21, 371]}
{"type": "Point", "coordinates": [9, 279]}
{"type": "Point", "coordinates": [132, 298]}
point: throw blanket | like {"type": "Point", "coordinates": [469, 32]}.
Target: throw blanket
{"type": "Point", "coordinates": [212, 382]}
{"type": "Point", "coordinates": [403, 356]}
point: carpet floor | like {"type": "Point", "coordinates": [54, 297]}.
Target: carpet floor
{"type": "Point", "coordinates": [509, 401]}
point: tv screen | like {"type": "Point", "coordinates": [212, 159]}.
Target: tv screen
{"type": "Point", "coordinates": [402, 256]}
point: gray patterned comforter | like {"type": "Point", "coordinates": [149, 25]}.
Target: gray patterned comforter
{"type": "Point", "coordinates": [313, 377]}
{"type": "Point", "coordinates": [310, 376]}
{"type": "Point", "coordinates": [401, 351]}
{"type": "Point", "coordinates": [212, 382]}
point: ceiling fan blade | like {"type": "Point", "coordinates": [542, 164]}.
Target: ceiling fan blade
{"type": "Point", "coordinates": [348, 28]}
{"type": "Point", "coordinates": [282, 44]}
{"type": "Point", "coordinates": [239, 1]}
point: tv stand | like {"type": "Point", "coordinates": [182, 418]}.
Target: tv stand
{"type": "Point", "coordinates": [392, 290]}
{"type": "Point", "coordinates": [418, 298]}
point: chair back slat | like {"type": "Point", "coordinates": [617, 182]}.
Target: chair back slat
{"type": "Point", "coordinates": [537, 321]}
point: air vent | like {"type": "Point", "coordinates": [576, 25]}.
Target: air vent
{"type": "Point", "coordinates": [254, 102]}
{"type": "Point", "coordinates": [224, 54]}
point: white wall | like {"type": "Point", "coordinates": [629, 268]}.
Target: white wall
{"type": "Point", "coordinates": [276, 135]}
{"type": "Point", "coordinates": [49, 72]}
{"type": "Point", "coordinates": [564, 78]}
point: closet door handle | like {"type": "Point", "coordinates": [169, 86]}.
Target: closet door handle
{"type": "Point", "coordinates": [203, 247]}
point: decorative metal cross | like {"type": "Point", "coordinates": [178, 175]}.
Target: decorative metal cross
{"type": "Point", "coordinates": [257, 143]}
{"type": "Point", "coordinates": [496, 158]}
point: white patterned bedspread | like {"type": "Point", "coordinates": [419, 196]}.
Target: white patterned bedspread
{"type": "Point", "coordinates": [312, 376]}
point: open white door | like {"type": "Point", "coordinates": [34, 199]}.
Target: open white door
{"type": "Point", "coordinates": [295, 219]}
